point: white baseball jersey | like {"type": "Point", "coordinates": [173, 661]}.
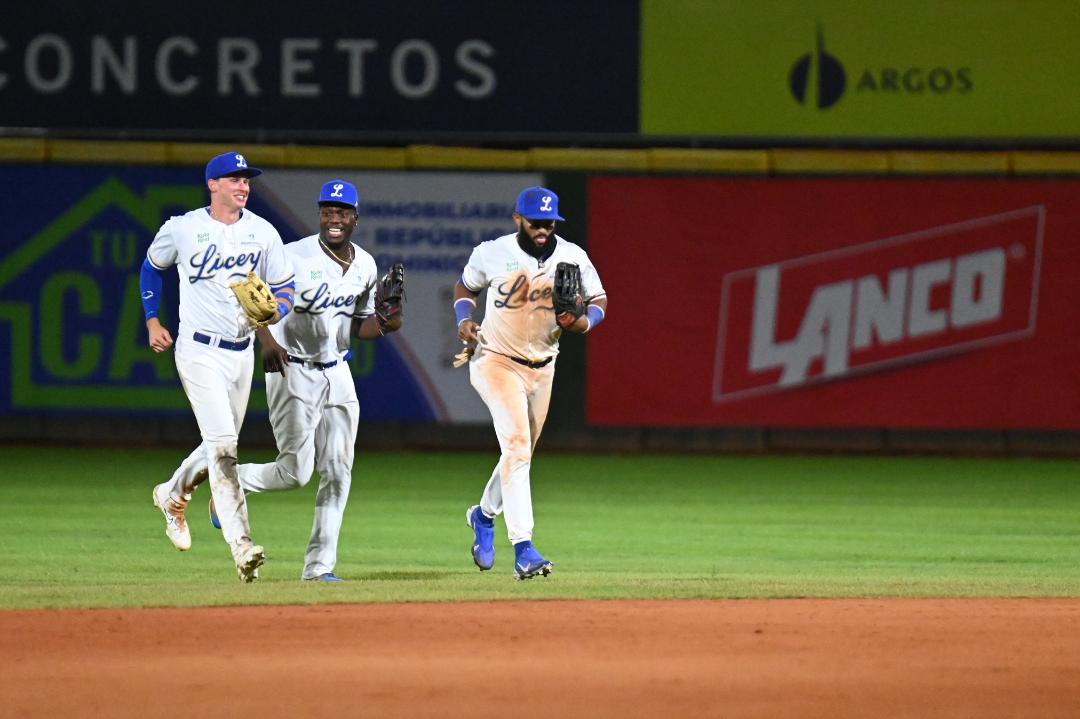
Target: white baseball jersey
{"type": "Point", "coordinates": [519, 317]}
{"type": "Point", "coordinates": [327, 300]}
{"type": "Point", "coordinates": [210, 256]}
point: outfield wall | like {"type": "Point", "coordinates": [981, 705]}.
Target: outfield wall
{"type": "Point", "coordinates": [761, 300]}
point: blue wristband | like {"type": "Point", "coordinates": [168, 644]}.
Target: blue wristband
{"type": "Point", "coordinates": [284, 295]}
{"type": "Point", "coordinates": [595, 313]}
{"type": "Point", "coordinates": [463, 309]}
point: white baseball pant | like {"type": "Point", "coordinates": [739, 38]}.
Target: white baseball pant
{"type": "Point", "coordinates": [217, 382]}
{"type": "Point", "coordinates": [517, 397]}
{"type": "Point", "coordinates": [315, 415]}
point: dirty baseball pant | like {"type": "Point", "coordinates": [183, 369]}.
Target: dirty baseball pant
{"type": "Point", "coordinates": [517, 397]}
{"type": "Point", "coordinates": [217, 382]}
{"type": "Point", "coordinates": [315, 415]}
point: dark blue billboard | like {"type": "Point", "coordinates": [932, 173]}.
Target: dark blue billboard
{"type": "Point", "coordinates": [345, 68]}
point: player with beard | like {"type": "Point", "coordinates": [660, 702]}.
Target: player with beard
{"type": "Point", "coordinates": [511, 360]}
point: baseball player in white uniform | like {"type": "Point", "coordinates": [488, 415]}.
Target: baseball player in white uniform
{"type": "Point", "coordinates": [212, 247]}
{"type": "Point", "coordinates": [310, 389]}
{"type": "Point", "coordinates": [513, 360]}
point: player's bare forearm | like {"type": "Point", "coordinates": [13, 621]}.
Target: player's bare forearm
{"type": "Point", "coordinates": [369, 329]}
{"type": "Point", "coordinates": [463, 292]}
{"type": "Point", "coordinates": [275, 358]}
{"type": "Point", "coordinates": [159, 338]}
{"type": "Point", "coordinates": [392, 325]}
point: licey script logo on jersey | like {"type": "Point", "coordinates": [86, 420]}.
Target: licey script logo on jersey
{"type": "Point", "coordinates": [316, 300]}
{"type": "Point", "coordinates": [890, 302]}
{"type": "Point", "coordinates": [207, 264]}
{"type": "Point", "coordinates": [517, 293]}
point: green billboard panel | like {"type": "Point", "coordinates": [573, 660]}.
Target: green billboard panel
{"type": "Point", "coordinates": [919, 70]}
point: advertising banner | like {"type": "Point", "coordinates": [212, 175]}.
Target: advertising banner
{"type": "Point", "coordinates": [358, 67]}
{"type": "Point", "coordinates": [72, 335]}
{"type": "Point", "coordinates": [923, 69]}
{"type": "Point", "coordinates": [836, 303]}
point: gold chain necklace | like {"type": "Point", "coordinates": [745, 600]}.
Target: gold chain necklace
{"type": "Point", "coordinates": [352, 253]}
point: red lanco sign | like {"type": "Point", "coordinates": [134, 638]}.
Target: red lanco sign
{"type": "Point", "coordinates": [877, 305]}
{"type": "Point", "coordinates": [826, 302]}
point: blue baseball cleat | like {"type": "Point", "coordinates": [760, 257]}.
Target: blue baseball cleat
{"type": "Point", "coordinates": [483, 548]}
{"type": "Point", "coordinates": [213, 515]}
{"type": "Point", "coordinates": [328, 577]}
{"type": "Point", "coordinates": [529, 563]}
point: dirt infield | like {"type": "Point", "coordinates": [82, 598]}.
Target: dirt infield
{"type": "Point", "coordinates": [755, 658]}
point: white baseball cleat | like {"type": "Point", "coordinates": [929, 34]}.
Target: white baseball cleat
{"type": "Point", "coordinates": [176, 527]}
{"type": "Point", "coordinates": [249, 557]}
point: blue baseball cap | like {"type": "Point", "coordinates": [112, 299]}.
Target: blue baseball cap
{"type": "Point", "coordinates": [230, 163]}
{"type": "Point", "coordinates": [538, 203]}
{"type": "Point", "coordinates": [339, 192]}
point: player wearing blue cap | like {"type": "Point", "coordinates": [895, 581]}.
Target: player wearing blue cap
{"type": "Point", "coordinates": [213, 247]}
{"type": "Point", "coordinates": [309, 386]}
{"type": "Point", "coordinates": [512, 360]}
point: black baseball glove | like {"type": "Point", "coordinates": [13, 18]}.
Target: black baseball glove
{"type": "Point", "coordinates": [569, 304]}
{"type": "Point", "coordinates": [390, 295]}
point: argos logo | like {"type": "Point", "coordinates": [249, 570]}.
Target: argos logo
{"type": "Point", "coordinates": [882, 304]}
{"type": "Point", "coordinates": [819, 79]}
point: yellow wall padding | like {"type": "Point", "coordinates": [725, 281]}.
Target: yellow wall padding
{"type": "Point", "coordinates": [381, 158]}
{"type": "Point", "coordinates": [199, 153]}
{"type": "Point", "coordinates": [663, 159]}
{"type": "Point", "coordinates": [92, 151]}
{"type": "Point", "coordinates": [1045, 163]}
{"type": "Point", "coordinates": [600, 160]}
{"type": "Point", "coordinates": [959, 163]}
{"type": "Point", "coordinates": [780, 161]}
{"type": "Point", "coordinates": [785, 161]}
{"type": "Point", "coordinates": [23, 149]}
{"type": "Point", "coordinates": [437, 157]}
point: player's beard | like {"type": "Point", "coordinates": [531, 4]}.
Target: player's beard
{"type": "Point", "coordinates": [528, 244]}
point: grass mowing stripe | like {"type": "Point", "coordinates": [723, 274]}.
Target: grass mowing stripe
{"type": "Point", "coordinates": [77, 529]}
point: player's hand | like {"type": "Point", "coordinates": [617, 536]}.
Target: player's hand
{"type": "Point", "coordinates": [567, 321]}
{"type": "Point", "coordinates": [466, 331]}
{"type": "Point", "coordinates": [160, 338]}
{"type": "Point", "coordinates": [391, 325]}
{"type": "Point", "coordinates": [274, 357]}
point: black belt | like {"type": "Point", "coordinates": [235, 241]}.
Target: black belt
{"type": "Point", "coordinates": [223, 344]}
{"type": "Point", "coordinates": [533, 365]}
{"type": "Point", "coordinates": [316, 365]}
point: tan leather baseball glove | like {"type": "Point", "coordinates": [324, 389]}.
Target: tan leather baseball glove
{"type": "Point", "coordinates": [256, 299]}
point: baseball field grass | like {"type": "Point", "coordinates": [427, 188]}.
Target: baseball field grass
{"type": "Point", "coordinates": [77, 529]}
